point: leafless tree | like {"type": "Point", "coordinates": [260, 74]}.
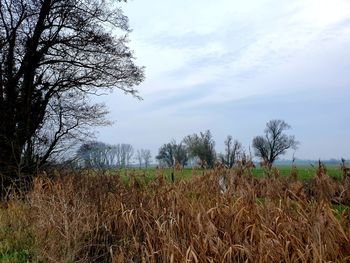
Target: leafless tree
{"type": "Point", "coordinates": [146, 156]}
{"type": "Point", "coordinates": [275, 142]}
{"type": "Point", "coordinates": [233, 150]}
{"type": "Point", "coordinates": [126, 153]}
{"type": "Point", "coordinates": [53, 55]}
{"type": "Point", "coordinates": [138, 158]}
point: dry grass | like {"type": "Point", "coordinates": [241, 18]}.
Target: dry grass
{"type": "Point", "coordinates": [81, 218]}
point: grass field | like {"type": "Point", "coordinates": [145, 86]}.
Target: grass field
{"type": "Point", "coordinates": [141, 216]}
{"type": "Point", "coordinates": [303, 172]}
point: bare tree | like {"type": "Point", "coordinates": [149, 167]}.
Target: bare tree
{"type": "Point", "coordinates": [53, 55]}
{"type": "Point", "coordinates": [275, 142]}
{"type": "Point", "coordinates": [233, 150]}
{"type": "Point", "coordinates": [146, 156]}
{"type": "Point", "coordinates": [138, 158]}
{"type": "Point", "coordinates": [126, 153]}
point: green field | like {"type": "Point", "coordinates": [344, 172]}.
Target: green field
{"type": "Point", "coordinates": [303, 172]}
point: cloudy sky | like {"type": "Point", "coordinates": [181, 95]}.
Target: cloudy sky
{"type": "Point", "coordinates": [230, 66]}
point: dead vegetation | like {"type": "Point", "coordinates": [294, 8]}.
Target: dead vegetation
{"type": "Point", "coordinates": [82, 218]}
{"type": "Point", "coordinates": [345, 169]}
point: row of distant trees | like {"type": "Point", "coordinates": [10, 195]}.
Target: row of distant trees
{"type": "Point", "coordinates": [196, 148]}
{"type": "Point", "coordinates": [201, 147]}
{"type": "Point", "coordinates": [101, 155]}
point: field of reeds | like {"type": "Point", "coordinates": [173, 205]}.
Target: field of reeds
{"type": "Point", "coordinates": [82, 217]}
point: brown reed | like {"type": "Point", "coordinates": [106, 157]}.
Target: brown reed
{"type": "Point", "coordinates": [98, 218]}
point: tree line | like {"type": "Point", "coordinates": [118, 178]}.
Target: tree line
{"type": "Point", "coordinates": [201, 148]}
{"type": "Point", "coordinates": [195, 149]}
{"type": "Point", "coordinates": [101, 155]}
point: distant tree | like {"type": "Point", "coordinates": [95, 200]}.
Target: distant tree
{"type": "Point", "coordinates": [180, 154]}
{"type": "Point", "coordinates": [118, 156]}
{"type": "Point", "coordinates": [95, 154]}
{"type": "Point", "coordinates": [146, 156]}
{"type": "Point", "coordinates": [101, 155]}
{"type": "Point", "coordinates": [233, 150]}
{"type": "Point", "coordinates": [112, 152]}
{"type": "Point", "coordinates": [275, 142]}
{"type": "Point", "coordinates": [202, 147]}
{"type": "Point", "coordinates": [54, 54]}
{"type": "Point", "coordinates": [83, 154]}
{"type": "Point", "coordinates": [170, 153]}
{"type": "Point", "coordinates": [138, 158]}
{"type": "Point", "coordinates": [126, 153]}
{"type": "Point", "coordinates": [166, 155]}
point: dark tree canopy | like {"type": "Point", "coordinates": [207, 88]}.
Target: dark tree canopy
{"type": "Point", "coordinates": [201, 146]}
{"type": "Point", "coordinates": [170, 153]}
{"type": "Point", "coordinates": [96, 155]}
{"type": "Point", "coordinates": [275, 142]}
{"type": "Point", "coordinates": [101, 155]}
{"type": "Point", "coordinates": [53, 55]}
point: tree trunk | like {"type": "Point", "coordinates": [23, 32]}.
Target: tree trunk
{"type": "Point", "coordinates": [8, 165]}
{"type": "Point", "coordinates": [13, 175]}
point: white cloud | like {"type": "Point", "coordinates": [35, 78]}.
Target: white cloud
{"type": "Point", "coordinates": [322, 13]}
{"type": "Point", "coordinates": [245, 37]}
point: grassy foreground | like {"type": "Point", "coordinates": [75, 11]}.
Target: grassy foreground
{"type": "Point", "coordinates": [99, 218]}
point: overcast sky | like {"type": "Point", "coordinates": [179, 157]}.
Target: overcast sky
{"type": "Point", "coordinates": [230, 66]}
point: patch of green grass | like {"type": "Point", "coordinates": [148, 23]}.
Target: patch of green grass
{"type": "Point", "coordinates": [16, 245]}
{"type": "Point", "coordinates": [340, 210]}
{"type": "Point", "coordinates": [23, 255]}
{"type": "Point", "coordinates": [147, 175]}
{"type": "Point", "coordinates": [17, 240]}
{"type": "Point", "coordinates": [304, 172]}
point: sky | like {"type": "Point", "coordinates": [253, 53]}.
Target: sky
{"type": "Point", "coordinates": [230, 66]}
